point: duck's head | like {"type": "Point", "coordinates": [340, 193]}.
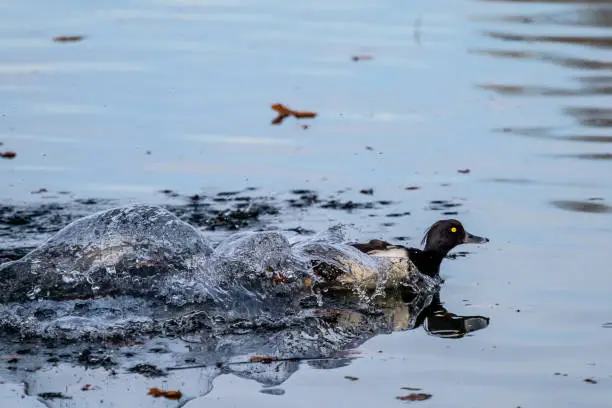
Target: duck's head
{"type": "Point", "coordinates": [444, 235]}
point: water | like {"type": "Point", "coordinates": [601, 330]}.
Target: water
{"type": "Point", "coordinates": [516, 92]}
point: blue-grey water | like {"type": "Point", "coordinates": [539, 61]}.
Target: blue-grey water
{"type": "Point", "coordinates": [176, 94]}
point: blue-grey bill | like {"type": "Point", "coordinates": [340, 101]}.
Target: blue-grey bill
{"type": "Point", "coordinates": [474, 239]}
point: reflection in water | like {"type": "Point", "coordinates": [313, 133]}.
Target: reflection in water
{"type": "Point", "coordinates": [322, 338]}
{"type": "Point", "coordinates": [589, 76]}
{"type": "Point", "coordinates": [437, 321]}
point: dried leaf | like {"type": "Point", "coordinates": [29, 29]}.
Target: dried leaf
{"type": "Point", "coordinates": [173, 395]}
{"type": "Point", "coordinates": [284, 112]}
{"type": "Point", "coordinates": [156, 392]}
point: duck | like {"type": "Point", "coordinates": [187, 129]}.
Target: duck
{"type": "Point", "coordinates": [439, 239]}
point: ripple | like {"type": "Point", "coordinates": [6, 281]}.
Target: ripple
{"type": "Point", "coordinates": [600, 42]}
{"type": "Point", "coordinates": [588, 156]}
{"type": "Point", "coordinates": [582, 206]}
{"type": "Point", "coordinates": [549, 133]}
{"type": "Point", "coordinates": [67, 67]}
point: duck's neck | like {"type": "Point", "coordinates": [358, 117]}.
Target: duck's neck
{"type": "Point", "coordinates": [427, 261]}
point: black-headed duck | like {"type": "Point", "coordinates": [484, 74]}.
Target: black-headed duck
{"type": "Point", "coordinates": [439, 239]}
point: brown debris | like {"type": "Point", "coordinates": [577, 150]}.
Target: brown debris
{"type": "Point", "coordinates": [348, 377]}
{"type": "Point", "coordinates": [412, 188]}
{"type": "Point", "coordinates": [89, 387]}
{"type": "Point", "coordinates": [156, 392]}
{"type": "Point", "coordinates": [262, 359]}
{"type": "Point", "coordinates": [420, 396]}
{"type": "Point", "coordinates": [171, 395]}
{"type": "Point", "coordinates": [284, 112]}
{"type": "Point", "coordinates": [590, 381]}
{"type": "Point", "coordinates": [464, 171]}
{"type": "Point", "coordinates": [8, 155]}
{"type": "Point", "coordinates": [279, 278]}
{"type": "Point", "coordinates": [68, 38]}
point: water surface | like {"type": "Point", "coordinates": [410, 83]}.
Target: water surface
{"type": "Point", "coordinates": [177, 94]}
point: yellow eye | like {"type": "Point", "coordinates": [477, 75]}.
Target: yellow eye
{"type": "Point", "coordinates": [453, 229]}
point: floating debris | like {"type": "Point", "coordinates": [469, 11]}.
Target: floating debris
{"type": "Point", "coordinates": [68, 38]}
{"type": "Point", "coordinates": [8, 155]}
{"type": "Point", "coordinates": [284, 112]}
{"type": "Point", "coordinates": [442, 205]}
{"type": "Point", "coordinates": [169, 193]}
{"type": "Point", "coordinates": [412, 188]}
{"type": "Point", "coordinates": [148, 370]}
{"type": "Point", "coordinates": [362, 58]}
{"type": "Point", "coordinates": [348, 205]}
{"type": "Point", "coordinates": [40, 191]}
{"type": "Point", "coordinates": [463, 171]}
{"type": "Point", "coordinates": [273, 391]}
{"type": "Point", "coordinates": [420, 396]}
{"type": "Point", "coordinates": [394, 215]}
{"type": "Point", "coordinates": [367, 191]}
{"type": "Point", "coordinates": [279, 278]}
{"type": "Point", "coordinates": [262, 359]}
{"type": "Point", "coordinates": [590, 381]}
{"type": "Point", "coordinates": [171, 395]}
{"type": "Point", "coordinates": [411, 388]}
{"type": "Point", "coordinates": [348, 377]}
{"type": "Point", "coordinates": [53, 395]}
{"type": "Point", "coordinates": [96, 358]}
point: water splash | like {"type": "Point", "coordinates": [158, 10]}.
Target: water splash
{"type": "Point", "coordinates": [139, 269]}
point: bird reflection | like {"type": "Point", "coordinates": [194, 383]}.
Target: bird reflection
{"type": "Point", "coordinates": [437, 321]}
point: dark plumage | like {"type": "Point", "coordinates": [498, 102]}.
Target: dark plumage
{"type": "Point", "coordinates": [439, 239]}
